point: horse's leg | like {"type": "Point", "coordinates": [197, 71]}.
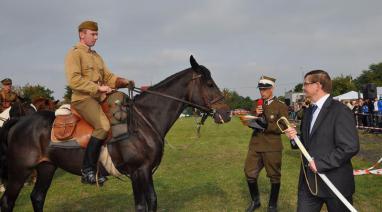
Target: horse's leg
{"type": "Point", "coordinates": [144, 192]}
{"type": "Point", "coordinates": [45, 173]}
{"type": "Point", "coordinates": [150, 195]}
{"type": "Point", "coordinates": [137, 180]}
{"type": "Point", "coordinates": [16, 181]}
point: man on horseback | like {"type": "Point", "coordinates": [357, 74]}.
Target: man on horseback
{"type": "Point", "coordinates": [90, 80]}
{"type": "Point", "coordinates": [7, 96]}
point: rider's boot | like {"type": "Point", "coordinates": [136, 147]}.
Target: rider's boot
{"type": "Point", "coordinates": [89, 164]}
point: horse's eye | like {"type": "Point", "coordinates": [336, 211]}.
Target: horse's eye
{"type": "Point", "coordinates": [210, 83]}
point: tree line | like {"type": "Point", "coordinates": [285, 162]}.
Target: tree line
{"type": "Point", "coordinates": [341, 84]}
{"type": "Point", "coordinates": [345, 83]}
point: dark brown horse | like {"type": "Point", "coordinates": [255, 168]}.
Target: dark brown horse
{"type": "Point", "coordinates": [20, 108]}
{"type": "Point", "coordinates": [136, 155]}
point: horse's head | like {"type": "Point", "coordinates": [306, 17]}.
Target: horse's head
{"type": "Point", "coordinates": [204, 91]}
{"type": "Point", "coordinates": [45, 104]}
{"type": "Point", "coordinates": [20, 109]}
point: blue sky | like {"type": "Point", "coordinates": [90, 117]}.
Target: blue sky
{"type": "Point", "coordinates": [237, 40]}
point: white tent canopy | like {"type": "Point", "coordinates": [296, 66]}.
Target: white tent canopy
{"type": "Point", "coordinates": [347, 96]}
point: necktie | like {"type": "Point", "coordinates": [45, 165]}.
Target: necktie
{"type": "Point", "coordinates": [312, 109]}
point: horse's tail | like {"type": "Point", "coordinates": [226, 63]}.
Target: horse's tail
{"type": "Point", "coordinates": [4, 146]}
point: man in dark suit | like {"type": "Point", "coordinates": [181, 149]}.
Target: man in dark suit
{"type": "Point", "coordinates": [329, 134]}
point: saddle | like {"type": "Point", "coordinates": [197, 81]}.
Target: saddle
{"type": "Point", "coordinates": [70, 126]}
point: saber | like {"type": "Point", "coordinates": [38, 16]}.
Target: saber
{"type": "Point", "coordinates": [284, 124]}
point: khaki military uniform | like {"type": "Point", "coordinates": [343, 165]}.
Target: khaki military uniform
{"type": "Point", "coordinates": [265, 148]}
{"type": "Point", "coordinates": [85, 71]}
{"type": "Point", "coordinates": [6, 99]}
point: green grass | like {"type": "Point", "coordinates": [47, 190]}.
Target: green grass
{"type": "Point", "coordinates": [203, 174]}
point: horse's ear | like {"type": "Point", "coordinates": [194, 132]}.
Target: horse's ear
{"type": "Point", "coordinates": [193, 62]}
{"type": "Point", "coordinates": [21, 98]}
{"type": "Point", "coordinates": [56, 102]}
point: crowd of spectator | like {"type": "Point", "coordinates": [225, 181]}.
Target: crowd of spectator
{"type": "Point", "coordinates": [367, 112]}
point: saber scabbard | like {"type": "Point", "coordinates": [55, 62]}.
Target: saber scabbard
{"type": "Point", "coordinates": [284, 124]}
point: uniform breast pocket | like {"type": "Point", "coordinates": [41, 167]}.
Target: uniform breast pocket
{"type": "Point", "coordinates": [87, 70]}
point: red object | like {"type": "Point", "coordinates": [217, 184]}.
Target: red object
{"type": "Point", "coordinates": [144, 87]}
{"type": "Point", "coordinates": [260, 102]}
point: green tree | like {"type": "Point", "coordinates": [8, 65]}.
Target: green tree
{"type": "Point", "coordinates": [32, 92]}
{"type": "Point", "coordinates": [343, 84]}
{"type": "Point", "coordinates": [298, 88]}
{"type": "Point", "coordinates": [68, 94]}
{"type": "Point", "coordinates": [373, 75]}
{"type": "Point", "coordinates": [234, 100]}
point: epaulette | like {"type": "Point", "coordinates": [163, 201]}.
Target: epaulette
{"type": "Point", "coordinates": [280, 100]}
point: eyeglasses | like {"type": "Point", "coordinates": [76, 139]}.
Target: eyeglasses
{"type": "Point", "coordinates": [308, 83]}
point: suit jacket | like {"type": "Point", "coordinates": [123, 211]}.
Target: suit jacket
{"type": "Point", "coordinates": [332, 143]}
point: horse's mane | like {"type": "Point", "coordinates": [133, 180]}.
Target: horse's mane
{"type": "Point", "coordinates": [204, 71]}
{"type": "Point", "coordinates": [168, 79]}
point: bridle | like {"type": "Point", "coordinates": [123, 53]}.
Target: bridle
{"type": "Point", "coordinates": [207, 110]}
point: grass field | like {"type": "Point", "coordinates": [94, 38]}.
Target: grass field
{"type": "Point", "coordinates": [204, 174]}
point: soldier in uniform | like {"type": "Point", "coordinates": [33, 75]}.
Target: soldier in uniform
{"type": "Point", "coordinates": [7, 96]}
{"type": "Point", "coordinates": [90, 79]}
{"type": "Point", "coordinates": [265, 146]}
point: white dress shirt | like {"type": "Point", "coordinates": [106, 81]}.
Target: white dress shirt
{"type": "Point", "coordinates": [319, 104]}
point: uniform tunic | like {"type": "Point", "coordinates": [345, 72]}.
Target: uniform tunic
{"type": "Point", "coordinates": [85, 71]}
{"type": "Point", "coordinates": [265, 148]}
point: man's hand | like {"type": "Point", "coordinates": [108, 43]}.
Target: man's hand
{"type": "Point", "coordinates": [291, 132]}
{"type": "Point", "coordinates": [259, 110]}
{"type": "Point", "coordinates": [312, 166]}
{"type": "Point", "coordinates": [124, 83]}
{"type": "Point", "coordinates": [104, 89]}
{"type": "Point", "coordinates": [131, 84]}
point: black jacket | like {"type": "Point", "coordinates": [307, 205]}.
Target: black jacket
{"type": "Point", "coordinates": [332, 143]}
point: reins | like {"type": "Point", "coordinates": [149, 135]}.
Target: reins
{"type": "Point", "coordinates": [200, 107]}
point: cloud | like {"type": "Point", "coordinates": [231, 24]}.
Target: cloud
{"type": "Point", "coordinates": [237, 40]}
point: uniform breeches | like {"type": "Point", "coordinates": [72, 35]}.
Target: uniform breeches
{"type": "Point", "coordinates": [92, 112]}
{"type": "Point", "coordinates": [255, 162]}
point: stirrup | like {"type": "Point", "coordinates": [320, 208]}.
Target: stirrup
{"type": "Point", "coordinates": [90, 177]}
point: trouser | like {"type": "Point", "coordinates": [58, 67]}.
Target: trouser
{"type": "Point", "coordinates": [91, 111]}
{"type": "Point", "coordinates": [256, 161]}
{"type": "Point", "coordinates": [308, 202]}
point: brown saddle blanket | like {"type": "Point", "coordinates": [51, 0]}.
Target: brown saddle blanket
{"type": "Point", "coordinates": [73, 127]}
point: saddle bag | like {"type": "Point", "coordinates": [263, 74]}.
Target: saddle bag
{"type": "Point", "coordinates": [64, 126]}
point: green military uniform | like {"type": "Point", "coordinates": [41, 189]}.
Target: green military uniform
{"type": "Point", "coordinates": [85, 71]}
{"type": "Point", "coordinates": [7, 98]}
{"type": "Point", "coordinates": [265, 147]}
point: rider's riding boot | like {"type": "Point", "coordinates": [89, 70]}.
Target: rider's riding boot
{"type": "Point", "coordinates": [272, 206]}
{"type": "Point", "coordinates": [89, 164]}
{"type": "Point", "coordinates": [254, 191]}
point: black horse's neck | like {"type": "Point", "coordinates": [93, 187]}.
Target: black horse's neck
{"type": "Point", "coordinates": [160, 111]}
